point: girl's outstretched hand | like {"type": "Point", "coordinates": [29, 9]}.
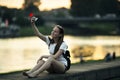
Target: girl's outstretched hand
{"type": "Point", "coordinates": [33, 19]}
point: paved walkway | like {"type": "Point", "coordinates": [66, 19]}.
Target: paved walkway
{"type": "Point", "coordinates": [94, 71]}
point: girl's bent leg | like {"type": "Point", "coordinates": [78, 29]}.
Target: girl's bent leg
{"type": "Point", "coordinates": [47, 65]}
{"type": "Point", "coordinates": [40, 63]}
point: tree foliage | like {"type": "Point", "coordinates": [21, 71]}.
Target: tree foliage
{"type": "Point", "coordinates": [7, 14]}
{"type": "Point", "coordinates": [30, 6]}
{"type": "Point", "coordinates": [92, 7]}
{"type": "Point", "coordinates": [21, 16]}
{"type": "Point", "coordinates": [108, 6]}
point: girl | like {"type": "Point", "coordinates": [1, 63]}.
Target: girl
{"type": "Point", "coordinates": [55, 62]}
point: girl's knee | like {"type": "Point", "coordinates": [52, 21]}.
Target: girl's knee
{"type": "Point", "coordinates": [51, 58]}
{"type": "Point", "coordinates": [41, 61]}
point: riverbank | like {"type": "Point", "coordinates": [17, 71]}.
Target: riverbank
{"type": "Point", "coordinates": [99, 70]}
{"type": "Point", "coordinates": [82, 30]}
{"type": "Point", "coordinates": [86, 30]}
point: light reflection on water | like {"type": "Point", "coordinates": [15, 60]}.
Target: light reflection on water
{"type": "Point", "coordinates": [22, 53]}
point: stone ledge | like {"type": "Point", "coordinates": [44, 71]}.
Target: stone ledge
{"type": "Point", "coordinates": [97, 71]}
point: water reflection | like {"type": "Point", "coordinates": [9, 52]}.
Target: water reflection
{"type": "Point", "coordinates": [22, 53]}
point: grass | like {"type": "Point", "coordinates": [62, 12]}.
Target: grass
{"type": "Point", "coordinates": [28, 31]}
{"type": "Point", "coordinates": [90, 28]}
{"type": "Point", "coordinates": [101, 28]}
{"type": "Point", "coordinates": [94, 61]}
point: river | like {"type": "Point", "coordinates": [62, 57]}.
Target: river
{"type": "Point", "coordinates": [22, 53]}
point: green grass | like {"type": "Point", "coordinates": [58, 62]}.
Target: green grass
{"type": "Point", "coordinates": [91, 28]}
{"type": "Point", "coordinates": [94, 61]}
{"type": "Point", "coordinates": [28, 31]}
{"type": "Point", "coordinates": [102, 28]}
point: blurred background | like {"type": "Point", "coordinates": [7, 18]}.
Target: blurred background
{"type": "Point", "coordinates": [92, 29]}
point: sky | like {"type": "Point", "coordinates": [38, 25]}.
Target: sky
{"type": "Point", "coordinates": [45, 4]}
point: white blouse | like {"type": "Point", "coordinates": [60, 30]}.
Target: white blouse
{"type": "Point", "coordinates": [52, 47]}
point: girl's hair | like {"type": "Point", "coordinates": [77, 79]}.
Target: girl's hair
{"type": "Point", "coordinates": [60, 40]}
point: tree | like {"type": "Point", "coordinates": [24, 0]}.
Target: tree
{"type": "Point", "coordinates": [108, 7]}
{"type": "Point", "coordinates": [91, 7]}
{"type": "Point", "coordinates": [7, 14]}
{"type": "Point", "coordinates": [84, 7]}
{"type": "Point", "coordinates": [31, 6]}
{"type": "Point", "coordinates": [31, 2]}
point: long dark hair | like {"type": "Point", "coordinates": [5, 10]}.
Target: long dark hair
{"type": "Point", "coordinates": [60, 40]}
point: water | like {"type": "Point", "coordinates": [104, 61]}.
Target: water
{"type": "Point", "coordinates": [22, 53]}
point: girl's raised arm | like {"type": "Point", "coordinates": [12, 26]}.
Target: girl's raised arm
{"type": "Point", "coordinates": [40, 35]}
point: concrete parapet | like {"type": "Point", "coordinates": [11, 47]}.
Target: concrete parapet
{"type": "Point", "coordinates": [97, 71]}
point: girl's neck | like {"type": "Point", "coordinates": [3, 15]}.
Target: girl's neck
{"type": "Point", "coordinates": [55, 40]}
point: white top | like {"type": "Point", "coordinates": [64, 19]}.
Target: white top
{"type": "Point", "coordinates": [52, 47]}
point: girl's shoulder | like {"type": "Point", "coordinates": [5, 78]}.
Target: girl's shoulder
{"type": "Point", "coordinates": [47, 40]}
{"type": "Point", "coordinates": [64, 44]}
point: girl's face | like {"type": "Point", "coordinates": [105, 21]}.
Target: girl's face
{"type": "Point", "coordinates": [55, 32]}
